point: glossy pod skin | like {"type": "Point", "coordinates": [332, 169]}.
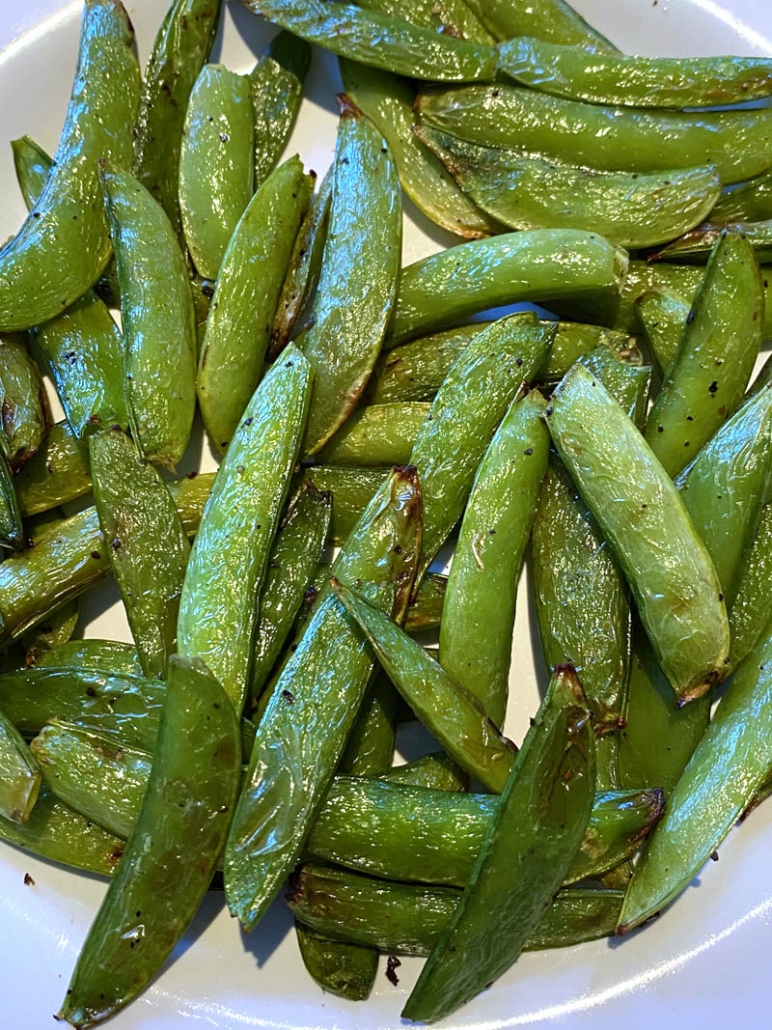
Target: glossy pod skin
{"type": "Point", "coordinates": [700, 241]}
{"type": "Point", "coordinates": [339, 967]}
{"type": "Point", "coordinates": [381, 40]}
{"type": "Point", "coordinates": [24, 405]}
{"type": "Point", "coordinates": [20, 777]}
{"type": "Point", "coordinates": [602, 137]}
{"type": "Point", "coordinates": [544, 265]}
{"type": "Point", "coordinates": [750, 202]}
{"type": "Point", "coordinates": [172, 853]}
{"type": "Point", "coordinates": [159, 328]}
{"type": "Point", "coordinates": [238, 525]}
{"type": "Point", "coordinates": [93, 653]}
{"type": "Point", "coordinates": [552, 20]}
{"type": "Point", "coordinates": [352, 490]}
{"type": "Point", "coordinates": [238, 327]}
{"type": "Point", "coordinates": [12, 533]}
{"type": "Point", "coordinates": [64, 244]}
{"type": "Point", "coordinates": [435, 771]}
{"type": "Point", "coordinates": [749, 618]}
{"type": "Point", "coordinates": [478, 615]}
{"type": "Point", "coordinates": [32, 165]}
{"type": "Point", "coordinates": [630, 209]}
{"type": "Point", "coordinates": [216, 161]}
{"type": "Point", "coordinates": [416, 370]}
{"type": "Point", "coordinates": [662, 315]}
{"type": "Point", "coordinates": [453, 17]}
{"type": "Point", "coordinates": [388, 101]}
{"type": "Point", "coordinates": [370, 748]}
{"type": "Point", "coordinates": [668, 568]}
{"type": "Point", "coordinates": [58, 473]}
{"type": "Point", "coordinates": [148, 548]}
{"type": "Point", "coordinates": [425, 609]}
{"type": "Point", "coordinates": [276, 84]}
{"type": "Point", "coordinates": [377, 434]}
{"type": "Point", "coordinates": [358, 277]}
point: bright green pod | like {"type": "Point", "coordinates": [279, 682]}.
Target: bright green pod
{"type": "Point", "coordinates": [539, 825]}
{"type": "Point", "coordinates": [159, 328]}
{"type": "Point", "coordinates": [58, 473]}
{"type": "Point", "coordinates": [314, 702]}
{"type": "Point", "coordinates": [352, 490]}
{"type": "Point", "coordinates": [216, 166]}
{"type": "Point", "coordinates": [276, 83]}
{"type": "Point", "coordinates": [377, 434]}
{"type": "Point", "coordinates": [425, 609]}
{"type": "Point", "coordinates": [750, 615]}
{"type": "Point", "coordinates": [453, 17]}
{"type": "Point", "coordinates": [340, 968]}
{"type": "Point", "coordinates": [478, 616]}
{"type": "Point", "coordinates": [32, 165]}
{"type": "Point", "coordinates": [630, 209]}
{"type": "Point", "coordinates": [543, 265]}
{"type": "Point", "coordinates": [663, 315]}
{"type": "Point", "coordinates": [415, 371]}
{"type": "Point", "coordinates": [148, 548]}
{"type": "Point", "coordinates": [92, 653]}
{"type": "Point", "coordinates": [358, 277]}
{"type": "Point", "coordinates": [750, 202]}
{"type": "Point", "coordinates": [388, 101]}
{"type": "Point", "coordinates": [23, 402]}
{"type": "Point", "coordinates": [598, 78]}
{"type": "Point", "coordinates": [370, 748]}
{"type": "Point", "coordinates": [436, 771]}
{"type": "Point", "coordinates": [20, 776]}
{"type": "Point", "coordinates": [644, 520]}
{"type": "Point", "coordinates": [238, 525]}
{"type": "Point", "coordinates": [718, 348]}
{"type": "Point", "coordinates": [603, 137]}
{"type": "Point", "coordinates": [60, 625]}
{"type": "Point", "coordinates": [552, 20]}
{"type": "Point", "coordinates": [627, 382]}
{"type": "Point", "coordinates": [172, 852]}
{"type": "Point", "coordinates": [575, 339]}
{"type": "Point", "coordinates": [238, 328]}
{"type": "Point", "coordinates": [64, 244]}
{"type": "Point", "coordinates": [381, 40]}
{"type": "Point", "coordinates": [699, 243]}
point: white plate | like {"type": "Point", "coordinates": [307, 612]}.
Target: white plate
{"type": "Point", "coordinates": [705, 964]}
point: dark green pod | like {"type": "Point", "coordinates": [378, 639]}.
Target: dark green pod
{"type": "Point", "coordinates": [58, 473]}
{"type": "Point", "coordinates": [23, 401]}
{"type": "Point", "coordinates": [343, 969]}
{"type": "Point", "coordinates": [276, 83]}
{"type": "Point", "coordinates": [750, 616]}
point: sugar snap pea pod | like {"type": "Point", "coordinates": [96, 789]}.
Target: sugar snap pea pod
{"type": "Point", "coordinates": [93, 653]}
{"type": "Point", "coordinates": [159, 328]}
{"type": "Point", "coordinates": [543, 265]}
{"type": "Point", "coordinates": [148, 547]}
{"type": "Point", "coordinates": [436, 771]}
{"type": "Point", "coordinates": [25, 410]}
{"type": "Point", "coordinates": [454, 715]}
{"type": "Point", "coordinates": [238, 526]}
{"type": "Point", "coordinates": [276, 83]}
{"type": "Point", "coordinates": [529, 848]}
{"type": "Point", "coordinates": [646, 524]}
{"type": "Point", "coordinates": [602, 137]}
{"type": "Point", "coordinates": [33, 166]}
{"type": "Point", "coordinates": [64, 244]}
{"type": "Point", "coordinates": [358, 278]}
{"type": "Point", "coordinates": [453, 17]}
{"type": "Point", "coordinates": [388, 101]}
{"type": "Point", "coordinates": [716, 353]}
{"type": "Point", "coordinates": [479, 611]}
{"type": "Point", "coordinates": [552, 20]}
{"type": "Point", "coordinates": [662, 314]}
{"type": "Point", "coordinates": [750, 617]}
{"type": "Point", "coordinates": [352, 490]}
{"type": "Point", "coordinates": [377, 434]}
{"type": "Point", "coordinates": [628, 384]}
{"type": "Point", "coordinates": [180, 49]}
{"type": "Point", "coordinates": [370, 748]}
{"type": "Point", "coordinates": [216, 167]}
{"type": "Point", "coordinates": [699, 243]}
{"type": "Point", "coordinates": [524, 192]}
{"type": "Point", "coordinates": [380, 40]}
{"type": "Point", "coordinates": [574, 339]}
{"type": "Point", "coordinates": [172, 853]}
{"type": "Point", "coordinates": [425, 609]}
{"type": "Point", "coordinates": [313, 703]}
{"type": "Point", "coordinates": [58, 473]}
{"type": "Point", "coordinates": [54, 631]}
{"type": "Point", "coordinates": [415, 371]}
{"type": "Point", "coordinates": [244, 303]}
{"type": "Point", "coordinates": [344, 969]}
{"type": "Point", "coordinates": [12, 533]}
{"type": "Point", "coordinates": [20, 776]}
{"type": "Point", "coordinates": [750, 202]}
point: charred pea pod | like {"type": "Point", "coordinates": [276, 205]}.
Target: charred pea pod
{"type": "Point", "coordinates": [25, 409]}
{"type": "Point", "coordinates": [425, 609]}
{"type": "Point", "coordinates": [276, 83]}
{"type": "Point", "coordinates": [552, 20]}
{"type": "Point", "coordinates": [662, 315]}
{"type": "Point", "coordinates": [377, 434]}
{"type": "Point", "coordinates": [58, 473]}
{"type": "Point", "coordinates": [699, 243]}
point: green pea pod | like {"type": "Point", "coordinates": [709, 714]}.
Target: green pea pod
{"type": "Point", "coordinates": [629, 208]}
{"type": "Point", "coordinates": [662, 314]}
{"type": "Point", "coordinates": [645, 523]}
{"type": "Point", "coordinates": [450, 712]}
{"type": "Point", "coordinates": [552, 20]}
{"type": "Point", "coordinates": [172, 853]}
{"type": "Point", "coordinates": [479, 611]}
{"type": "Point", "coordinates": [716, 353]}
{"type": "Point", "coordinates": [12, 533]}
{"type": "Point", "coordinates": [56, 630]}
{"type": "Point", "coordinates": [750, 617]}
{"type": "Point", "coordinates": [58, 473]}
{"type": "Point", "coordinates": [453, 17]}
{"type": "Point", "coordinates": [579, 74]}
{"type": "Point", "coordinates": [238, 526]}
{"type": "Point", "coordinates": [20, 777]}
{"type": "Point", "coordinates": [415, 371]}
{"type": "Point", "coordinates": [750, 202]}
{"type": "Point", "coordinates": [358, 278]}
{"type": "Point", "coordinates": [370, 748]}
{"type": "Point", "coordinates": [64, 245]}
{"type": "Point", "coordinates": [32, 165]}
{"type": "Point", "coordinates": [381, 40]}
{"type": "Point", "coordinates": [388, 101]}
{"type": "Point", "coordinates": [699, 243]}
{"type": "Point", "coordinates": [92, 654]}
{"type": "Point", "coordinates": [575, 339]}
{"type": "Point", "coordinates": [244, 303]}
{"type": "Point", "coordinates": [378, 434]}
{"type": "Point", "coordinates": [313, 703]}
{"type": "Point", "coordinates": [23, 401]}
{"type": "Point", "coordinates": [525, 856]}
{"type": "Point", "coordinates": [159, 328]}
{"type": "Point", "coordinates": [343, 969]}
{"type": "Point", "coordinates": [602, 137]}
{"type": "Point", "coordinates": [628, 383]}
{"type": "Point", "coordinates": [434, 770]}
{"type": "Point", "coordinates": [544, 265]}
{"type": "Point", "coordinates": [148, 548]}
{"type": "Point", "coordinates": [352, 490]}
{"type": "Point", "coordinates": [425, 609]}
{"type": "Point", "coordinates": [276, 83]}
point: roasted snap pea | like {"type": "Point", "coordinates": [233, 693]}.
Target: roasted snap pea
{"type": "Point", "coordinates": [20, 776]}
{"type": "Point", "coordinates": [370, 748]}
{"type": "Point", "coordinates": [552, 20]}
{"type": "Point", "coordinates": [352, 490]}
{"type": "Point", "coordinates": [627, 382]}
{"type": "Point", "coordinates": [645, 523]}
{"type": "Point", "coordinates": [435, 770]}
{"type": "Point", "coordinates": [415, 371]}
{"type": "Point", "coordinates": [244, 303]}
{"type": "Point", "coordinates": [574, 339]}
{"type": "Point", "coordinates": [345, 970]}
{"type": "Point", "coordinates": [32, 165]}
{"type": "Point", "coordinates": [276, 82]}
{"type": "Point", "coordinates": [377, 434]}
{"type": "Point", "coordinates": [60, 625]}
{"type": "Point", "coordinates": [425, 609]}
{"type": "Point", "coordinates": [64, 244]}
{"type": "Point", "coordinates": [216, 166]}
{"type": "Point", "coordinates": [12, 533]}
{"type": "Point", "coordinates": [750, 202]}
{"type": "Point", "coordinates": [699, 243]}
{"type": "Point", "coordinates": [750, 615]}
{"type": "Point", "coordinates": [453, 17]}
{"type": "Point", "coordinates": [58, 473]}
{"type": "Point", "coordinates": [358, 277]}
{"type": "Point", "coordinates": [93, 653]}
{"type": "Point", "coordinates": [25, 415]}
{"type": "Point", "coordinates": [662, 314]}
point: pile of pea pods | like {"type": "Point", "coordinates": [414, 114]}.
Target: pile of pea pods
{"type": "Point", "coordinates": [366, 416]}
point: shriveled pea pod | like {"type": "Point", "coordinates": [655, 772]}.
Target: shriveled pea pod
{"type": "Point", "coordinates": [750, 617]}
{"type": "Point", "coordinates": [377, 434]}
{"type": "Point", "coordinates": [663, 315]}
{"type": "Point", "coordinates": [93, 653]}
{"type": "Point", "coordinates": [23, 401]}
{"type": "Point", "coordinates": [58, 473]}
{"type": "Point", "coordinates": [358, 278]}
{"type": "Point", "coordinates": [699, 243]}
{"type": "Point", "coordinates": [602, 137]}
{"type": "Point", "coordinates": [276, 83]}
{"type": "Point", "coordinates": [313, 703]}
{"type": "Point", "coordinates": [454, 715]}
{"type": "Point", "coordinates": [388, 101]}
{"type": "Point", "coordinates": [238, 525]}
{"type": "Point", "coordinates": [33, 166]}
{"type": "Point", "coordinates": [425, 610]}
{"type": "Point", "coordinates": [244, 303]}
{"type": "Point", "coordinates": [339, 967]}
{"type": "Point", "coordinates": [453, 17]}
{"type": "Point", "coordinates": [380, 40]}
{"type": "Point", "coordinates": [524, 192]}
{"type": "Point", "coordinates": [415, 371]}
{"type": "Point", "coordinates": [479, 611]}
{"type": "Point", "coordinates": [646, 524]}
{"type": "Point", "coordinates": [552, 20]}
{"type": "Point", "coordinates": [539, 825]}
{"type": "Point", "coordinates": [581, 74]}
{"type": "Point", "coordinates": [716, 353]}
{"type": "Point", "coordinates": [435, 770]}
{"type": "Point", "coordinates": [172, 852]}
{"type": "Point", "coordinates": [159, 329]}
{"type": "Point", "coordinates": [543, 265]}
{"type": "Point", "coordinates": [20, 776]}
{"type": "Point", "coordinates": [64, 245]}
{"type": "Point", "coordinates": [751, 202]}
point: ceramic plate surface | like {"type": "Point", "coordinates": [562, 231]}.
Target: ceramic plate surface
{"type": "Point", "coordinates": [705, 964]}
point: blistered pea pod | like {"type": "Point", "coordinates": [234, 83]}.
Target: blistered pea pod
{"type": "Point", "coordinates": [276, 84]}
{"type": "Point", "coordinates": [553, 20]}
{"type": "Point", "coordinates": [663, 315]}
